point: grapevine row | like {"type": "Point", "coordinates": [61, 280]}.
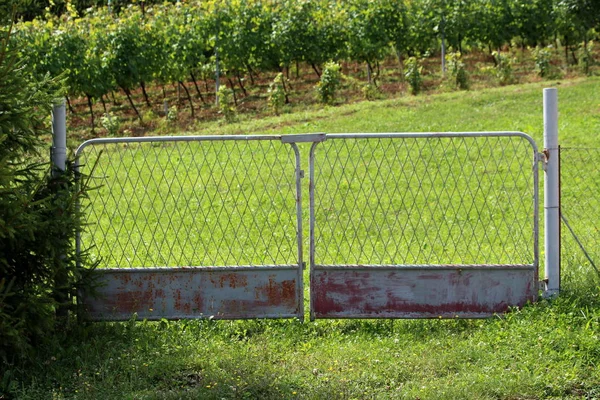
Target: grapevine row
{"type": "Point", "coordinates": [179, 44]}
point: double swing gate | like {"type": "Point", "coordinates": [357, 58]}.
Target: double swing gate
{"type": "Point", "coordinates": [400, 225]}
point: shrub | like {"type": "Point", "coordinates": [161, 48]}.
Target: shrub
{"type": "Point", "coordinates": [413, 75]}
{"type": "Point", "coordinates": [38, 213]}
{"type": "Point", "coordinates": [276, 99]}
{"type": "Point", "coordinates": [330, 82]}
{"type": "Point", "coordinates": [226, 106]}
{"type": "Point", "coordinates": [504, 70]}
{"type": "Point", "coordinates": [458, 71]}
{"type": "Point", "coordinates": [586, 57]}
{"type": "Point", "coordinates": [173, 115]}
{"type": "Point", "coordinates": [541, 57]}
{"type": "Point", "coordinates": [111, 123]}
{"type": "Point", "coordinates": [369, 91]}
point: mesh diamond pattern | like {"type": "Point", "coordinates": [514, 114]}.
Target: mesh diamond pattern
{"type": "Point", "coordinates": [191, 203]}
{"type": "Point", "coordinates": [580, 204]}
{"type": "Point", "coordinates": [405, 201]}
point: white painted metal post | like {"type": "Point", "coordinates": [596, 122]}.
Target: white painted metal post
{"type": "Point", "coordinates": [59, 163]}
{"type": "Point", "coordinates": [59, 136]}
{"type": "Point", "coordinates": [551, 194]}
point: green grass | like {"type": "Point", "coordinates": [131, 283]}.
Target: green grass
{"type": "Point", "coordinates": [547, 350]}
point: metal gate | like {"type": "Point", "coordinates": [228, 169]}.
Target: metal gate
{"type": "Point", "coordinates": [194, 227]}
{"type": "Point", "coordinates": [401, 225]}
{"type": "Point", "coordinates": [423, 225]}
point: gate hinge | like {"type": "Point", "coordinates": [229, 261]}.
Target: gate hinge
{"type": "Point", "coordinates": [303, 265]}
{"type": "Point", "coordinates": [542, 284]}
{"type": "Point", "coordinates": [543, 157]}
{"type": "Point", "coordinates": [301, 173]}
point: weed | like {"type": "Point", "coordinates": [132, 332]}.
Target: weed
{"type": "Point", "coordinates": [586, 57]}
{"type": "Point", "coordinates": [172, 114]}
{"type": "Point", "coordinates": [369, 91]}
{"type": "Point", "coordinates": [226, 106]}
{"type": "Point", "coordinates": [458, 71]}
{"type": "Point", "coordinates": [276, 92]}
{"type": "Point", "coordinates": [541, 57]}
{"type": "Point", "coordinates": [111, 123]}
{"type": "Point", "coordinates": [504, 68]}
{"type": "Point", "coordinates": [413, 75]}
{"type": "Point", "coordinates": [329, 84]}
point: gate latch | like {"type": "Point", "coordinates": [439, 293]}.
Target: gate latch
{"type": "Point", "coordinates": [304, 138]}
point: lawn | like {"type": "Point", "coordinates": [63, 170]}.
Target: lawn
{"type": "Point", "coordinates": [546, 350]}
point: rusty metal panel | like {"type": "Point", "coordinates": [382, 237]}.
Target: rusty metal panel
{"type": "Point", "coordinates": [177, 293]}
{"type": "Point", "coordinates": [420, 292]}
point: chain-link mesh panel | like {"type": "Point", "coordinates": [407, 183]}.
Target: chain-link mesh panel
{"type": "Point", "coordinates": [404, 201]}
{"type": "Point", "coordinates": [191, 203]}
{"type": "Point", "coordinates": [580, 206]}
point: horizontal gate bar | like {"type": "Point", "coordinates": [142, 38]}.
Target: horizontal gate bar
{"type": "Point", "coordinates": [428, 267]}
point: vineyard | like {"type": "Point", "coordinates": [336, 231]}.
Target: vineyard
{"type": "Point", "coordinates": [152, 53]}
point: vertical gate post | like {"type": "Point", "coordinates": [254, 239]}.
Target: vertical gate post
{"type": "Point", "coordinates": [551, 194]}
{"type": "Point", "coordinates": [59, 165]}
{"type": "Point", "coordinates": [59, 136]}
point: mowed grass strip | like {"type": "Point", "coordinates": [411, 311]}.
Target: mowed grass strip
{"type": "Point", "coordinates": [547, 350]}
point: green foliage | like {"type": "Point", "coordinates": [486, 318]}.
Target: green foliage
{"type": "Point", "coordinates": [504, 70]}
{"type": "Point", "coordinates": [330, 82]}
{"type": "Point", "coordinates": [276, 99]}
{"type": "Point", "coordinates": [586, 57]}
{"type": "Point", "coordinates": [38, 213]}
{"type": "Point", "coordinates": [134, 45]}
{"type": "Point", "coordinates": [173, 114]}
{"type": "Point", "coordinates": [226, 104]}
{"type": "Point", "coordinates": [413, 75]}
{"type": "Point", "coordinates": [541, 57]}
{"type": "Point", "coordinates": [369, 91]}
{"type": "Point", "coordinates": [457, 70]}
{"type": "Point", "coordinates": [111, 123]}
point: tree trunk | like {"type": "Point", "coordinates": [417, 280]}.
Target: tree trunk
{"type": "Point", "coordinates": [114, 101]}
{"type": "Point", "coordinates": [128, 94]}
{"type": "Point", "coordinates": [250, 74]}
{"type": "Point", "coordinates": [143, 86]}
{"type": "Point", "coordinates": [89, 99]}
{"type": "Point", "coordinates": [206, 85]}
{"type": "Point", "coordinates": [103, 103]}
{"type": "Point", "coordinates": [233, 91]}
{"type": "Point", "coordinates": [70, 106]}
{"type": "Point", "coordinates": [196, 85]}
{"type": "Point", "coordinates": [239, 79]}
{"type": "Point", "coordinates": [285, 90]}
{"type": "Point", "coordinates": [314, 67]}
{"type": "Point", "coordinates": [187, 93]}
{"type": "Point", "coordinates": [297, 70]}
